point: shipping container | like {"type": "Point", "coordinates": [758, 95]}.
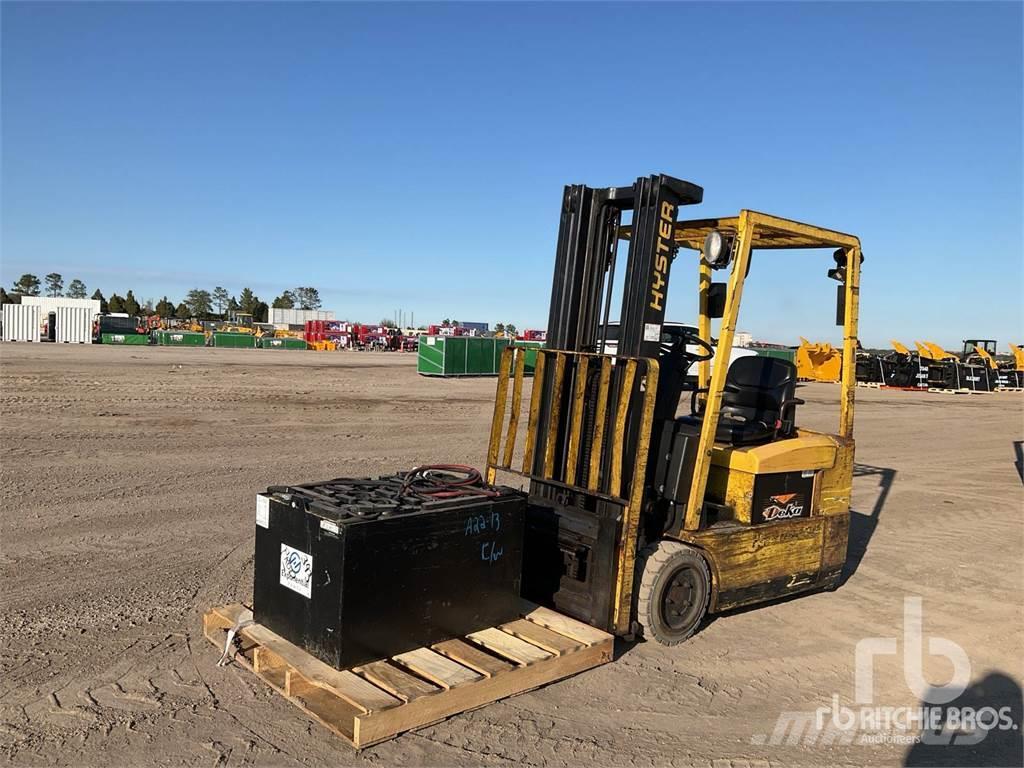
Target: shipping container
{"type": "Point", "coordinates": [179, 338]}
{"type": "Point", "coordinates": [283, 343]}
{"type": "Point", "coordinates": [234, 340]}
{"type": "Point", "coordinates": [136, 339]}
{"type": "Point", "coordinates": [286, 317]}
{"type": "Point", "coordinates": [22, 322]}
{"type": "Point", "coordinates": [74, 325]}
{"type": "Point", "coordinates": [531, 348]}
{"type": "Point", "coordinates": [467, 355]}
{"type": "Point", "coordinates": [119, 323]}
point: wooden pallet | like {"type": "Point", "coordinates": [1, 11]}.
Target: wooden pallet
{"type": "Point", "coordinates": [376, 702]}
{"type": "Point", "coordinates": [870, 384]}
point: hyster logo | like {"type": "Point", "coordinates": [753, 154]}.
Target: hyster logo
{"type": "Point", "coordinates": [784, 505]}
{"type": "Point", "coordinates": [661, 255]}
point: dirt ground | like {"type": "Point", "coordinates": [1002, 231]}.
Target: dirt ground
{"type": "Point", "coordinates": [128, 481]}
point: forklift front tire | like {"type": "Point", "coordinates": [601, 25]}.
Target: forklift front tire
{"type": "Point", "coordinates": [674, 592]}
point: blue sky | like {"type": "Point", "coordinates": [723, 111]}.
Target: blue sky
{"type": "Point", "coordinates": [414, 156]}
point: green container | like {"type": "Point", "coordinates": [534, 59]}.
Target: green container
{"type": "Point", "coordinates": [467, 355]}
{"type": "Point", "coordinates": [285, 343]}
{"type": "Point", "coordinates": [781, 354]}
{"type": "Point", "coordinates": [234, 340]}
{"type": "Point", "coordinates": [531, 348]}
{"type": "Point", "coordinates": [125, 338]}
{"type": "Point", "coordinates": [179, 338]}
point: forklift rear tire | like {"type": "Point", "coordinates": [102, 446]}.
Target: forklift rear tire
{"type": "Point", "coordinates": [675, 589]}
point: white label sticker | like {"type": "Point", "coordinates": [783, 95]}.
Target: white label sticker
{"type": "Point", "coordinates": [296, 570]}
{"type": "Point", "coordinates": [431, 341]}
{"type": "Point", "coordinates": [327, 525]}
{"type": "Point", "coordinates": [807, 473]}
{"type": "Point", "coordinates": [177, 336]}
{"type": "Point", "coordinates": [262, 510]}
{"type": "Point", "coordinates": [652, 332]}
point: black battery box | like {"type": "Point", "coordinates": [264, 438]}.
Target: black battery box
{"type": "Point", "coordinates": [352, 571]}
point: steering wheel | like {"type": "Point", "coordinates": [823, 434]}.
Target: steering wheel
{"type": "Point", "coordinates": [705, 352]}
{"type": "Point", "coordinates": [692, 339]}
{"type": "Point", "coordinates": [689, 339]}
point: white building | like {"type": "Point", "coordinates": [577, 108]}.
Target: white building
{"type": "Point", "coordinates": [63, 319]}
{"type": "Point", "coordinates": [285, 317]}
{"type": "Point", "coordinates": [49, 304]}
{"type": "Point", "coordinates": [742, 339]}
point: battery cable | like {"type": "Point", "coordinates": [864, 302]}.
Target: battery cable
{"type": "Point", "coordinates": [445, 481]}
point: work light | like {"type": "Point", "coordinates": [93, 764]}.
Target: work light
{"type": "Point", "coordinates": [717, 249]}
{"type": "Point", "coordinates": [838, 273]}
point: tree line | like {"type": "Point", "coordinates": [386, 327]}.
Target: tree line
{"type": "Point", "coordinates": [198, 303]}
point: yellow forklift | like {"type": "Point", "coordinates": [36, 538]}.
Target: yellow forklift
{"type": "Point", "coordinates": [642, 520]}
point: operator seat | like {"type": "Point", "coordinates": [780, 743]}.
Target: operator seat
{"type": "Point", "coordinates": [758, 402]}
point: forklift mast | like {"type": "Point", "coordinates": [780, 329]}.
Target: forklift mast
{"type": "Point", "coordinates": [573, 537]}
{"type": "Point", "coordinates": [585, 263]}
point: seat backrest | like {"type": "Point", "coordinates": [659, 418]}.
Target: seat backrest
{"type": "Point", "coordinates": [764, 383]}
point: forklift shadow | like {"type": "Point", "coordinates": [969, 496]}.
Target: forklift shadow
{"type": "Point", "coordinates": [862, 526]}
{"type": "Point", "coordinates": [997, 697]}
{"type": "Point", "coordinates": [1018, 452]}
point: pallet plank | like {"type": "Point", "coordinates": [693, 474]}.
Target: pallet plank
{"type": "Point", "coordinates": [472, 657]}
{"type": "Point", "coordinates": [381, 726]}
{"type": "Point", "coordinates": [392, 679]}
{"type": "Point", "coordinates": [332, 711]}
{"type": "Point", "coordinates": [509, 646]}
{"type": "Point", "coordinates": [362, 693]}
{"type": "Point", "coordinates": [542, 636]}
{"type": "Point", "coordinates": [347, 685]}
{"type": "Point", "coordinates": [437, 668]}
{"type": "Point", "coordinates": [564, 625]}
{"type": "Point", "coordinates": [351, 687]}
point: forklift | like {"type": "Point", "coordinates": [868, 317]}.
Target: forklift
{"type": "Point", "coordinates": [641, 520]}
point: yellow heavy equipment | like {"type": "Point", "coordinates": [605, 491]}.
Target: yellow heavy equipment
{"type": "Point", "coordinates": [980, 356]}
{"type": "Point", "coordinates": [903, 368]}
{"type": "Point", "coordinates": [818, 361]}
{"type": "Point", "coordinates": [931, 351]}
{"type": "Point", "coordinates": [239, 322]}
{"type": "Point", "coordinates": [639, 520]}
{"type": "Point", "coordinates": [1018, 357]}
{"type": "Point", "coordinates": [975, 369]}
{"type": "Point", "coordinates": [1011, 373]}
